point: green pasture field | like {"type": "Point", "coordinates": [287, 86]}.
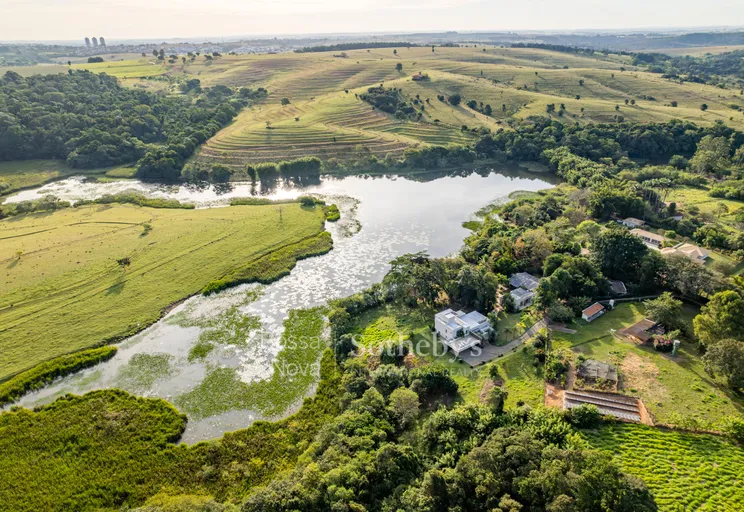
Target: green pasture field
{"type": "Point", "coordinates": [685, 471]}
{"type": "Point", "coordinates": [64, 290]}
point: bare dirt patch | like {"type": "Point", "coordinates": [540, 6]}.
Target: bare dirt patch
{"type": "Point", "coordinates": [488, 385]}
{"type": "Point", "coordinates": [641, 376]}
{"type": "Point", "coordinates": [553, 396]}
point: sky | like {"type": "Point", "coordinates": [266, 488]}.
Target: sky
{"type": "Point", "coordinates": [148, 19]}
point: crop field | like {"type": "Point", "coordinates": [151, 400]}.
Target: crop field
{"type": "Point", "coordinates": [684, 471]}
{"type": "Point", "coordinates": [80, 277]}
{"type": "Point", "coordinates": [698, 51]}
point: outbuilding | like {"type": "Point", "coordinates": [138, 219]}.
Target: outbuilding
{"type": "Point", "coordinates": [592, 312]}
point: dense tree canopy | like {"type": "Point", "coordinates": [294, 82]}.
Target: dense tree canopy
{"type": "Point", "coordinates": [90, 120]}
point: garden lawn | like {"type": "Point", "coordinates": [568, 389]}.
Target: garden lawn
{"type": "Point", "coordinates": [64, 290]}
{"type": "Point", "coordinates": [684, 471]}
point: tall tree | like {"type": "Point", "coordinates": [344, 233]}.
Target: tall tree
{"type": "Point", "coordinates": [619, 254]}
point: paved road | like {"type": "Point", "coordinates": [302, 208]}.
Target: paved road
{"type": "Point", "coordinates": [491, 352]}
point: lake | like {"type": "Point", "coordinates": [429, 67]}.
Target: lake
{"type": "Point", "coordinates": [382, 217]}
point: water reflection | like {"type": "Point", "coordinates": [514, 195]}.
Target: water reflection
{"type": "Point", "coordinates": [277, 187]}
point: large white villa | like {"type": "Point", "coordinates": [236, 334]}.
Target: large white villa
{"type": "Point", "coordinates": [461, 331]}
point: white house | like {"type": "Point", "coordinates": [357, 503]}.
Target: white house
{"type": "Point", "coordinates": [592, 312]}
{"type": "Point", "coordinates": [461, 331]}
{"type": "Point", "coordinates": [522, 298]}
{"type": "Point", "coordinates": [695, 253]}
{"type": "Point", "coordinates": [632, 222]}
{"type": "Point", "coordinates": [648, 237]}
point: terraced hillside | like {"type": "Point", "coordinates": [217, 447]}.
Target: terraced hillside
{"type": "Point", "coordinates": [326, 118]}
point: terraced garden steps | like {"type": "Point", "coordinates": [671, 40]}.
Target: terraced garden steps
{"type": "Point", "coordinates": [622, 407]}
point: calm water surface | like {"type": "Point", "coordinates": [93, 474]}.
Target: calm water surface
{"type": "Point", "coordinates": [382, 218]}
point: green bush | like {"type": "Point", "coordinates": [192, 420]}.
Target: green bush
{"type": "Point", "coordinates": [584, 416]}
{"type": "Point", "coordinates": [307, 201]}
{"type": "Point", "coordinates": [432, 379]}
{"type": "Point", "coordinates": [43, 374]}
{"type": "Point", "coordinates": [332, 213]}
{"type": "Point", "coordinates": [734, 428]}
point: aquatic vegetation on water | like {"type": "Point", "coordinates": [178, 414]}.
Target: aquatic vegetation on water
{"type": "Point", "coordinates": [296, 369]}
{"type": "Point", "coordinates": [143, 370]}
{"type": "Point", "coordinates": [229, 327]}
{"type": "Point", "coordinates": [199, 351]}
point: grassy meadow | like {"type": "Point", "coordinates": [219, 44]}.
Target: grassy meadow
{"type": "Point", "coordinates": [80, 277]}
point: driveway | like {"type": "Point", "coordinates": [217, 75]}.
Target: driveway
{"type": "Point", "coordinates": [491, 352]}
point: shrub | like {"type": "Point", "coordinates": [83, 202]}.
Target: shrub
{"type": "Point", "coordinates": [734, 428]}
{"type": "Point", "coordinates": [393, 353]}
{"type": "Point", "coordinates": [387, 378]}
{"type": "Point", "coordinates": [557, 364]}
{"type": "Point", "coordinates": [332, 213]}
{"type": "Point", "coordinates": [559, 312]}
{"type": "Point", "coordinates": [432, 378]}
{"type": "Point", "coordinates": [663, 343]}
{"type": "Point", "coordinates": [585, 416]}
{"type": "Point", "coordinates": [496, 399]}
{"type": "Point", "coordinates": [307, 201]}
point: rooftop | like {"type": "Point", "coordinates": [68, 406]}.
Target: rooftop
{"type": "Point", "coordinates": [689, 250]}
{"type": "Point", "coordinates": [593, 309]}
{"type": "Point", "coordinates": [633, 220]}
{"type": "Point", "coordinates": [457, 319]}
{"type": "Point", "coordinates": [618, 287]}
{"type": "Point", "coordinates": [639, 330]}
{"type": "Point", "coordinates": [524, 280]}
{"type": "Point", "coordinates": [462, 343]}
{"type": "Point", "coordinates": [647, 234]}
{"type": "Point", "coordinates": [521, 293]}
{"type": "Point", "coordinates": [593, 369]}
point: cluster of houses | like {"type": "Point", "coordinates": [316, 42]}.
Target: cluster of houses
{"type": "Point", "coordinates": [656, 241]}
{"type": "Point", "coordinates": [460, 331]}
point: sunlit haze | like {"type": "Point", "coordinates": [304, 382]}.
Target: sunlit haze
{"type": "Point", "coordinates": [120, 19]}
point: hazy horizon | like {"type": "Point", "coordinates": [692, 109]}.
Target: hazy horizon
{"type": "Point", "coordinates": [50, 20]}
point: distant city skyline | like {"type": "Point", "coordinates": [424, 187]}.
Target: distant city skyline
{"type": "Point", "coordinates": [46, 20]}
